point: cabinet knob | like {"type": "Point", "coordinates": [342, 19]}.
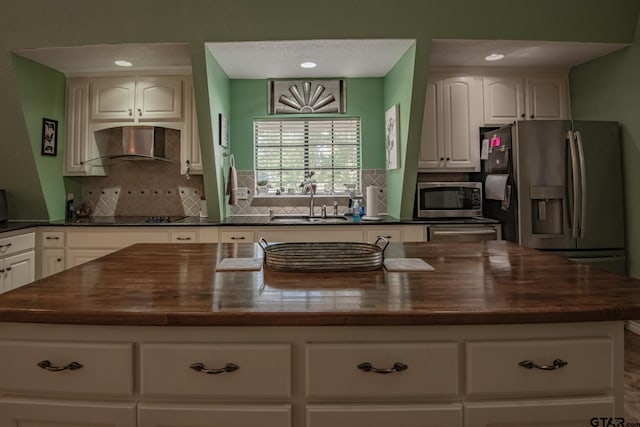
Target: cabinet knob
{"type": "Point", "coordinates": [523, 115]}
{"type": "Point", "coordinates": [139, 112]}
{"type": "Point", "coordinates": [531, 116]}
{"type": "Point", "coordinates": [448, 159]}
{"type": "Point", "coordinates": [130, 112]}
{"type": "Point", "coordinates": [441, 159]}
{"type": "Point", "coordinates": [59, 259]}
{"type": "Point", "coordinates": [8, 268]}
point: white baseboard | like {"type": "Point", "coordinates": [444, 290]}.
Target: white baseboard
{"type": "Point", "coordinates": [633, 326]}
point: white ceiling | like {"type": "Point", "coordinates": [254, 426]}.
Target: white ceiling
{"type": "Point", "coordinates": [335, 58]}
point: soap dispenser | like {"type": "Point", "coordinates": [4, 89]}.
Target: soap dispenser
{"type": "Point", "coordinates": [356, 210]}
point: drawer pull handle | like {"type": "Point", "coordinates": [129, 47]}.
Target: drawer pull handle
{"type": "Point", "coordinates": [8, 245]}
{"type": "Point", "coordinates": [397, 367]}
{"type": "Point", "coordinates": [199, 367]}
{"type": "Point", "coordinates": [557, 364]}
{"type": "Point", "coordinates": [385, 237]}
{"type": "Point", "coordinates": [183, 238]}
{"type": "Point", "coordinates": [53, 238]}
{"type": "Point", "coordinates": [45, 364]}
{"type": "Point", "coordinates": [237, 238]}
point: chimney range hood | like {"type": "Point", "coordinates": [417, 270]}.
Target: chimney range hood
{"type": "Point", "coordinates": [137, 143]}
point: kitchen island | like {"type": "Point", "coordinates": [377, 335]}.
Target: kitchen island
{"type": "Point", "coordinates": [496, 333]}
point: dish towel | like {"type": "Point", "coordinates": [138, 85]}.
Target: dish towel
{"type": "Point", "coordinates": [232, 182]}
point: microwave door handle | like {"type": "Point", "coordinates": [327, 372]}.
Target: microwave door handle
{"type": "Point", "coordinates": [575, 178]}
{"type": "Point", "coordinates": [583, 185]}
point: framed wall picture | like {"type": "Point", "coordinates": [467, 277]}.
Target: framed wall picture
{"type": "Point", "coordinates": [392, 137]}
{"type": "Point", "coordinates": [224, 130]}
{"type": "Point", "coordinates": [49, 137]}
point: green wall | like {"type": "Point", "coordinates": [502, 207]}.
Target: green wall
{"type": "Point", "coordinates": [219, 91]}
{"type": "Point", "coordinates": [364, 100]}
{"type": "Point", "coordinates": [78, 22]}
{"type": "Point", "coordinates": [609, 89]}
{"type": "Point", "coordinates": [398, 85]}
{"type": "Point", "coordinates": [42, 92]}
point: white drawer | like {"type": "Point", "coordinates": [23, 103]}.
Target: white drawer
{"type": "Point", "coordinates": [263, 370]}
{"type": "Point", "coordinates": [15, 244]}
{"type": "Point", "coordinates": [391, 234]}
{"type": "Point", "coordinates": [449, 415]}
{"type": "Point", "coordinates": [206, 415]}
{"type": "Point", "coordinates": [52, 239]}
{"type": "Point", "coordinates": [236, 236]}
{"type": "Point", "coordinates": [183, 236]}
{"type": "Point", "coordinates": [107, 369]}
{"type": "Point", "coordinates": [493, 367]}
{"type": "Point", "coordinates": [333, 370]}
{"type": "Point", "coordinates": [114, 239]}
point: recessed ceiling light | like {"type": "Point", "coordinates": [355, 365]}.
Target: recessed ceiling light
{"type": "Point", "coordinates": [494, 57]}
{"type": "Point", "coordinates": [123, 63]}
{"type": "Point", "coordinates": [308, 64]}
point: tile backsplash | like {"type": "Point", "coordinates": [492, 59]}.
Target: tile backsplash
{"type": "Point", "coordinates": [144, 187]}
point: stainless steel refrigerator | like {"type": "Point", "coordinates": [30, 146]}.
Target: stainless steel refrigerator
{"type": "Point", "coordinates": [560, 188]}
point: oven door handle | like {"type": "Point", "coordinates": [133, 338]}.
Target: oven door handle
{"type": "Point", "coordinates": [478, 231]}
{"type": "Point", "coordinates": [461, 235]}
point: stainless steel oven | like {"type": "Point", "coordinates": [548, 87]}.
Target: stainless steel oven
{"type": "Point", "coordinates": [463, 232]}
{"type": "Point", "coordinates": [449, 199]}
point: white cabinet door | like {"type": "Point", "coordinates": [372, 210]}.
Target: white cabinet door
{"type": "Point", "coordinates": [17, 270]}
{"type": "Point", "coordinates": [162, 415]}
{"type": "Point", "coordinates": [539, 413]}
{"type": "Point", "coordinates": [503, 99]}
{"type": "Point", "coordinates": [80, 256]}
{"type": "Point", "coordinates": [449, 415]}
{"type": "Point", "coordinates": [450, 129]}
{"type": "Point", "coordinates": [113, 99]}
{"type": "Point", "coordinates": [51, 413]}
{"type": "Point", "coordinates": [52, 261]}
{"type": "Point", "coordinates": [158, 98]}
{"type": "Point", "coordinates": [190, 156]}
{"type": "Point", "coordinates": [547, 99]}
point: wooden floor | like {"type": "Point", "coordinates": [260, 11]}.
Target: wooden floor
{"type": "Point", "coordinates": [631, 376]}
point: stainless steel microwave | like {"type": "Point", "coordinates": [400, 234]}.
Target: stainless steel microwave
{"type": "Point", "coordinates": [449, 199]}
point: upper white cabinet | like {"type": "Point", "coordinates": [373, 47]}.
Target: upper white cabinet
{"type": "Point", "coordinates": [190, 155]}
{"type": "Point", "coordinates": [137, 100]}
{"type": "Point", "coordinates": [450, 128]}
{"type": "Point", "coordinates": [511, 98]}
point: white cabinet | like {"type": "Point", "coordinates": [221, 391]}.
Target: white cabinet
{"type": "Point", "coordinates": [136, 100]}
{"type": "Point", "coordinates": [52, 413]}
{"type": "Point", "coordinates": [80, 143]}
{"type": "Point", "coordinates": [190, 155]}
{"type": "Point", "coordinates": [450, 128]}
{"type": "Point", "coordinates": [511, 98]}
{"type": "Point", "coordinates": [17, 261]}
{"type": "Point", "coordinates": [52, 245]}
{"type": "Point", "coordinates": [379, 415]}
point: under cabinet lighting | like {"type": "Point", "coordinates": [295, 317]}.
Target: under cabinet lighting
{"type": "Point", "coordinates": [308, 64]}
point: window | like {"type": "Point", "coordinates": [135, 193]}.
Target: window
{"type": "Point", "coordinates": [288, 150]}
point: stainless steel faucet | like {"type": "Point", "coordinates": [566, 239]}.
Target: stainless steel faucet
{"type": "Point", "coordinates": [308, 187]}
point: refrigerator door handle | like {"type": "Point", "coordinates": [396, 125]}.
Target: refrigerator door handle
{"type": "Point", "coordinates": [583, 185]}
{"type": "Point", "coordinates": [576, 185]}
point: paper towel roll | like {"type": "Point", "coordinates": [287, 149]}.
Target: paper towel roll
{"type": "Point", "coordinates": [203, 209]}
{"type": "Point", "coordinates": [495, 187]}
{"type": "Point", "coordinates": [372, 200]}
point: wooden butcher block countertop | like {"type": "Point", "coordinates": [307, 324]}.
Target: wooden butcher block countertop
{"type": "Point", "coordinates": [493, 282]}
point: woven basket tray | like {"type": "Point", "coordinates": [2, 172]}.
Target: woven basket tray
{"type": "Point", "coordinates": [324, 256]}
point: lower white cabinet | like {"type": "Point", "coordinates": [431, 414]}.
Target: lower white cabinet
{"type": "Point", "coordinates": [54, 413]}
{"type": "Point", "coordinates": [311, 376]}
{"type": "Point", "coordinates": [17, 261]}
{"type": "Point", "coordinates": [207, 415]}
{"type": "Point", "coordinates": [577, 412]}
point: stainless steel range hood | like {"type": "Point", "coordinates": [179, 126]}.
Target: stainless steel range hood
{"type": "Point", "coordinates": [142, 143]}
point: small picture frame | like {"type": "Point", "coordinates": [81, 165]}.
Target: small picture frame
{"type": "Point", "coordinates": [49, 137]}
{"type": "Point", "coordinates": [224, 130]}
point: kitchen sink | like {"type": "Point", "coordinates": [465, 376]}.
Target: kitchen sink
{"type": "Point", "coordinates": [305, 219]}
